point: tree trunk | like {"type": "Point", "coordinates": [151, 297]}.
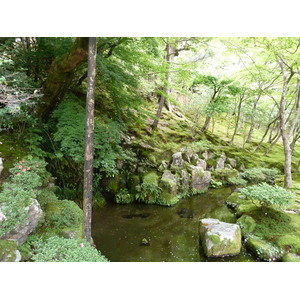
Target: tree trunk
{"type": "Point", "coordinates": [166, 89]}
{"type": "Point", "coordinates": [284, 133]}
{"type": "Point", "coordinates": [237, 119]}
{"type": "Point", "coordinates": [60, 76]}
{"type": "Point", "coordinates": [89, 141]}
{"type": "Point", "coordinates": [249, 138]}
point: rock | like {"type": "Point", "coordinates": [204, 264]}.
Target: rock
{"type": "Point", "coordinates": [201, 163]}
{"type": "Point", "coordinates": [185, 180]}
{"type": "Point", "coordinates": [291, 257]}
{"type": "Point", "coordinates": [9, 251]}
{"type": "Point", "coordinates": [263, 250]}
{"type": "Point", "coordinates": [200, 178]}
{"type": "Point", "coordinates": [185, 213]}
{"type": "Point", "coordinates": [220, 238]}
{"type": "Point", "coordinates": [247, 224]}
{"type": "Point", "coordinates": [205, 155]}
{"type": "Point", "coordinates": [20, 233]}
{"type": "Point", "coordinates": [163, 166]}
{"type": "Point", "coordinates": [168, 182]}
{"type": "Point", "coordinates": [2, 216]}
{"type": "Point", "coordinates": [177, 159]}
{"type": "Point", "coordinates": [232, 162]}
{"type": "Point", "coordinates": [221, 162]}
{"type": "Point", "coordinates": [228, 166]}
{"type": "Point", "coordinates": [145, 242]}
{"type": "Point", "coordinates": [242, 168]}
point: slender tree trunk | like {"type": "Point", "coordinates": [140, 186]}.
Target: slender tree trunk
{"type": "Point", "coordinates": [237, 119]}
{"type": "Point", "coordinates": [249, 138]}
{"type": "Point", "coordinates": [60, 76]}
{"type": "Point", "coordinates": [89, 141]}
{"type": "Point", "coordinates": [162, 100]}
{"type": "Point", "coordinates": [284, 133]}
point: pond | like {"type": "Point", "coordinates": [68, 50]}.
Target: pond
{"type": "Point", "coordinates": [150, 233]}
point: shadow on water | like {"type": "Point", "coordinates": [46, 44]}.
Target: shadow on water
{"type": "Point", "coordinates": [150, 233]}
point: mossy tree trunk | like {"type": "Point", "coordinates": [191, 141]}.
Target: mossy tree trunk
{"type": "Point", "coordinates": [60, 76]}
{"type": "Point", "coordinates": [89, 141]}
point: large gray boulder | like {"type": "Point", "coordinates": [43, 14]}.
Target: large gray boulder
{"type": "Point", "coordinates": [177, 159]}
{"type": "Point", "coordinates": [169, 182]}
{"type": "Point", "coordinates": [20, 233]}
{"type": "Point", "coordinates": [185, 179]}
{"type": "Point", "coordinates": [200, 178]}
{"type": "Point", "coordinates": [220, 238]}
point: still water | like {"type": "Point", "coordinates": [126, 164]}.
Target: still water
{"type": "Point", "coordinates": [171, 234]}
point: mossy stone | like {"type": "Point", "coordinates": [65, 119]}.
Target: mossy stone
{"type": "Point", "coordinates": [247, 224]}
{"type": "Point", "coordinates": [223, 214]}
{"type": "Point", "coordinates": [289, 243]}
{"type": "Point", "coordinates": [151, 177]}
{"type": "Point", "coordinates": [291, 257]}
{"type": "Point", "coordinates": [8, 249]}
{"type": "Point", "coordinates": [167, 199]}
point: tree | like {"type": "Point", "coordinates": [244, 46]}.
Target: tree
{"type": "Point", "coordinates": [89, 141]}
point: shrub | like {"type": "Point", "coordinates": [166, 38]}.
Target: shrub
{"type": "Point", "coordinates": [62, 214]}
{"type": "Point", "coordinates": [257, 175]}
{"type": "Point", "coordinates": [268, 195]}
{"type": "Point", "coordinates": [124, 197]}
{"type": "Point", "coordinates": [148, 193]}
{"type": "Point", "coordinates": [57, 249]}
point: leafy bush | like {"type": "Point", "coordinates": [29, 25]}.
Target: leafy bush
{"type": "Point", "coordinates": [268, 195]}
{"type": "Point", "coordinates": [257, 175]}
{"type": "Point", "coordinates": [62, 214]}
{"type": "Point", "coordinates": [237, 181]}
{"type": "Point", "coordinates": [215, 184]}
{"type": "Point", "coordinates": [70, 137]}
{"type": "Point", "coordinates": [57, 249]}
{"type": "Point", "coordinates": [27, 177]}
{"type": "Point", "coordinates": [124, 197]}
{"type": "Point", "coordinates": [148, 193]}
{"type": "Point", "coordinates": [201, 146]}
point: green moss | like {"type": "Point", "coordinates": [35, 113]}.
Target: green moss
{"type": "Point", "coordinates": [245, 208]}
{"type": "Point", "coordinates": [291, 257]}
{"type": "Point", "coordinates": [215, 238]}
{"type": "Point", "coordinates": [247, 224]}
{"type": "Point", "coordinates": [8, 250]}
{"type": "Point", "coordinates": [263, 250]}
{"type": "Point", "coordinates": [289, 243]}
{"type": "Point", "coordinates": [167, 199]}
{"type": "Point", "coordinates": [151, 177]}
{"type": "Point", "coordinates": [223, 214]}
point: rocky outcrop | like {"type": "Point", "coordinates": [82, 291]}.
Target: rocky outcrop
{"type": "Point", "coordinates": [169, 182]}
{"type": "Point", "coordinates": [200, 178]}
{"type": "Point", "coordinates": [221, 162]}
{"type": "Point", "coordinates": [220, 238]}
{"type": "Point", "coordinates": [177, 159]}
{"type": "Point", "coordinates": [20, 233]}
{"type": "Point", "coordinates": [185, 179]}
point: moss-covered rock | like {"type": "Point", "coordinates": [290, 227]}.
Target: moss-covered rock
{"type": "Point", "coordinates": [167, 199]}
{"type": "Point", "coordinates": [9, 251]}
{"type": "Point", "coordinates": [289, 243]}
{"type": "Point", "coordinates": [291, 257]}
{"type": "Point", "coordinates": [223, 214]}
{"type": "Point", "coordinates": [225, 175]}
{"type": "Point", "coordinates": [247, 224]}
{"type": "Point", "coordinates": [263, 250]}
{"type": "Point", "coordinates": [220, 238]}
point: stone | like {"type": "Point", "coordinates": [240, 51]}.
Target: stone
{"type": "Point", "coordinates": [263, 250]}
{"type": "Point", "coordinates": [200, 178]}
{"type": "Point", "coordinates": [232, 162]}
{"type": "Point", "coordinates": [177, 159]}
{"type": "Point", "coordinates": [205, 155]}
{"type": "Point", "coordinates": [2, 216]}
{"type": "Point", "coordinates": [9, 251]}
{"type": "Point", "coordinates": [221, 162]}
{"type": "Point", "coordinates": [219, 238]}
{"type": "Point", "coordinates": [228, 166]}
{"type": "Point", "coordinates": [20, 233]}
{"type": "Point", "coordinates": [185, 179]}
{"type": "Point", "coordinates": [201, 163]}
{"type": "Point", "coordinates": [163, 166]}
{"type": "Point", "coordinates": [168, 182]}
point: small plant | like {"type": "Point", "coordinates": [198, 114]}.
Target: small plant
{"type": "Point", "coordinates": [268, 195]}
{"type": "Point", "coordinates": [124, 197]}
{"type": "Point", "coordinates": [201, 146]}
{"type": "Point", "coordinates": [148, 193]}
{"type": "Point", "coordinates": [57, 249]}
{"type": "Point", "coordinates": [237, 181]}
{"type": "Point", "coordinates": [215, 184]}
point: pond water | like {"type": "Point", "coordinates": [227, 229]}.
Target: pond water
{"type": "Point", "coordinates": [171, 234]}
